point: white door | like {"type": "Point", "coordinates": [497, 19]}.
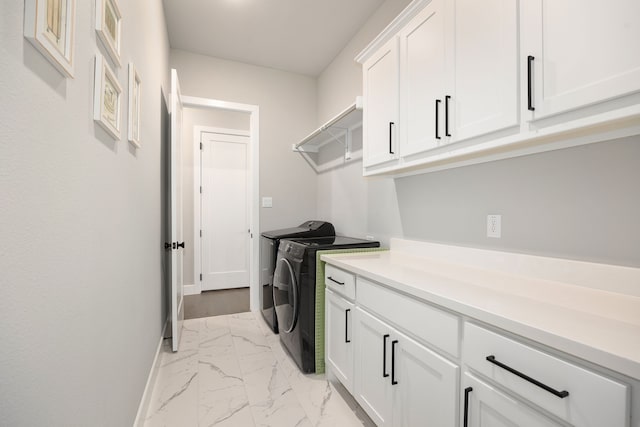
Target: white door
{"type": "Point", "coordinates": [486, 67]}
{"type": "Point", "coordinates": [373, 388]}
{"type": "Point", "coordinates": [581, 53]}
{"type": "Point", "coordinates": [177, 294]}
{"type": "Point", "coordinates": [427, 386]}
{"type": "Point", "coordinates": [340, 338]}
{"type": "Point", "coordinates": [425, 56]}
{"type": "Point", "coordinates": [225, 211]}
{"type": "Point", "coordinates": [381, 105]}
{"type": "Point", "coordinates": [484, 406]}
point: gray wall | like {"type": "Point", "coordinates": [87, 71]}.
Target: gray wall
{"type": "Point", "coordinates": [357, 206]}
{"type": "Point", "coordinates": [199, 117]}
{"type": "Point", "coordinates": [81, 285]}
{"type": "Point", "coordinates": [287, 111]}
{"type": "Point", "coordinates": [580, 203]}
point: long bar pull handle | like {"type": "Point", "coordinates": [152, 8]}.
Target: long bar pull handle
{"type": "Point", "coordinates": [335, 281]}
{"type": "Point", "coordinates": [530, 106]}
{"type": "Point", "coordinates": [446, 115]}
{"type": "Point", "coordinates": [346, 325]}
{"type": "Point", "coordinates": [561, 394]}
{"type": "Point", "coordinates": [393, 362]}
{"type": "Point", "coordinates": [391, 124]}
{"type": "Point", "coordinates": [384, 356]}
{"type": "Point", "coordinates": [437, 118]}
{"type": "Point", "coordinates": [466, 406]}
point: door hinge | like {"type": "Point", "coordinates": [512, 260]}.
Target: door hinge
{"type": "Point", "coordinates": [200, 233]}
{"type": "Point", "coordinates": [201, 147]}
{"type": "Point", "coordinates": [201, 189]}
{"type": "Point", "coordinates": [201, 277]}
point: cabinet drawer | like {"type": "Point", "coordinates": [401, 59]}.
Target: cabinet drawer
{"type": "Point", "coordinates": [589, 400]}
{"type": "Point", "coordinates": [427, 323]}
{"type": "Point", "coordinates": [340, 281]}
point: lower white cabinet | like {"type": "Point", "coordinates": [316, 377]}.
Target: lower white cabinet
{"type": "Point", "coordinates": [484, 406]}
{"type": "Point", "coordinates": [570, 392]}
{"type": "Point", "coordinates": [400, 358]}
{"type": "Point", "coordinates": [339, 338]}
{"type": "Point", "coordinates": [372, 387]}
{"type": "Point", "coordinates": [398, 381]}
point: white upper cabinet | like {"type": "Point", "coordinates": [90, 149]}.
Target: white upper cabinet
{"type": "Point", "coordinates": [456, 82]}
{"type": "Point", "coordinates": [581, 53]}
{"type": "Point", "coordinates": [425, 79]}
{"type": "Point", "coordinates": [486, 67]}
{"type": "Point", "coordinates": [380, 121]}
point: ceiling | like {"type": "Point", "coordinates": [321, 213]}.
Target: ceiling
{"type": "Point", "coordinates": [300, 36]}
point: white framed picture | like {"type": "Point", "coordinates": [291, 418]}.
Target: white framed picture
{"type": "Point", "coordinates": [134, 106]}
{"type": "Point", "coordinates": [107, 98]}
{"type": "Point", "coordinates": [49, 26]}
{"type": "Point", "coordinates": [108, 27]}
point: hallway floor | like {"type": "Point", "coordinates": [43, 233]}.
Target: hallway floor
{"type": "Point", "coordinates": [232, 371]}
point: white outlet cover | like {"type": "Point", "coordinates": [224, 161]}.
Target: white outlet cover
{"type": "Point", "coordinates": [494, 226]}
{"type": "Point", "coordinates": [267, 202]}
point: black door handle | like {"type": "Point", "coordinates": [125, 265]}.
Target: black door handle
{"type": "Point", "coordinates": [530, 106]}
{"type": "Point", "coordinates": [346, 325]}
{"type": "Point", "coordinates": [561, 394]}
{"type": "Point", "coordinates": [393, 362]}
{"type": "Point", "coordinates": [446, 115]}
{"type": "Point", "coordinates": [180, 245]}
{"type": "Point", "coordinates": [437, 118]}
{"type": "Point", "coordinates": [466, 406]}
{"type": "Point", "coordinates": [391, 124]}
{"type": "Point", "coordinates": [384, 356]}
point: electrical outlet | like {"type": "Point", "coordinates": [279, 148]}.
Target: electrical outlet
{"type": "Point", "coordinates": [267, 202]}
{"type": "Point", "coordinates": [494, 226]}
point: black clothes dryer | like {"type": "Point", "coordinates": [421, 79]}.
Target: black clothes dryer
{"type": "Point", "coordinates": [269, 241]}
{"type": "Point", "coordinates": [294, 293]}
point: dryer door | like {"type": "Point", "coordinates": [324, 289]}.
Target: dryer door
{"type": "Point", "coordinates": [285, 295]}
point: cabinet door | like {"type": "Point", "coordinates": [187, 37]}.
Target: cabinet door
{"type": "Point", "coordinates": [427, 385]}
{"type": "Point", "coordinates": [373, 389]}
{"type": "Point", "coordinates": [486, 67]}
{"type": "Point", "coordinates": [340, 338]}
{"type": "Point", "coordinates": [425, 55]}
{"type": "Point", "coordinates": [380, 121]}
{"type": "Point", "coordinates": [582, 53]}
{"type": "Point", "coordinates": [487, 407]}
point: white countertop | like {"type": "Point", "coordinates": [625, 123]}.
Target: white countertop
{"type": "Point", "coordinates": [591, 323]}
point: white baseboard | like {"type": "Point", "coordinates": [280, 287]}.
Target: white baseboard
{"type": "Point", "coordinates": [151, 380]}
{"type": "Point", "coordinates": [191, 289]}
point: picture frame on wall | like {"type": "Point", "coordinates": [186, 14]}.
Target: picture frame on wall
{"type": "Point", "coordinates": [107, 98]}
{"type": "Point", "coordinates": [108, 27]}
{"type": "Point", "coordinates": [134, 106]}
{"type": "Point", "coordinates": [50, 26]}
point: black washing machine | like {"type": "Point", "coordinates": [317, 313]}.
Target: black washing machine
{"type": "Point", "coordinates": [269, 241]}
{"type": "Point", "coordinates": [294, 293]}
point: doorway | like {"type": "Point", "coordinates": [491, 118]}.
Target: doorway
{"type": "Point", "coordinates": [224, 208]}
{"type": "Point", "coordinates": [233, 150]}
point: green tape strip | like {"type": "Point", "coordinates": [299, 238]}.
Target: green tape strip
{"type": "Point", "coordinates": [320, 294]}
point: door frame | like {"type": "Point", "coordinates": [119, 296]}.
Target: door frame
{"type": "Point", "coordinates": [254, 191]}
{"type": "Point", "coordinates": [197, 199]}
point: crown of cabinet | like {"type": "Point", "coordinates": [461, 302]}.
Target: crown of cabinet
{"type": "Point", "coordinates": [392, 29]}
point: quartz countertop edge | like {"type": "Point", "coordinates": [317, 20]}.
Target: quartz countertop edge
{"type": "Point", "coordinates": [576, 325]}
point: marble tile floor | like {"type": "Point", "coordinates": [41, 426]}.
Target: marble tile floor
{"type": "Point", "coordinates": [231, 370]}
